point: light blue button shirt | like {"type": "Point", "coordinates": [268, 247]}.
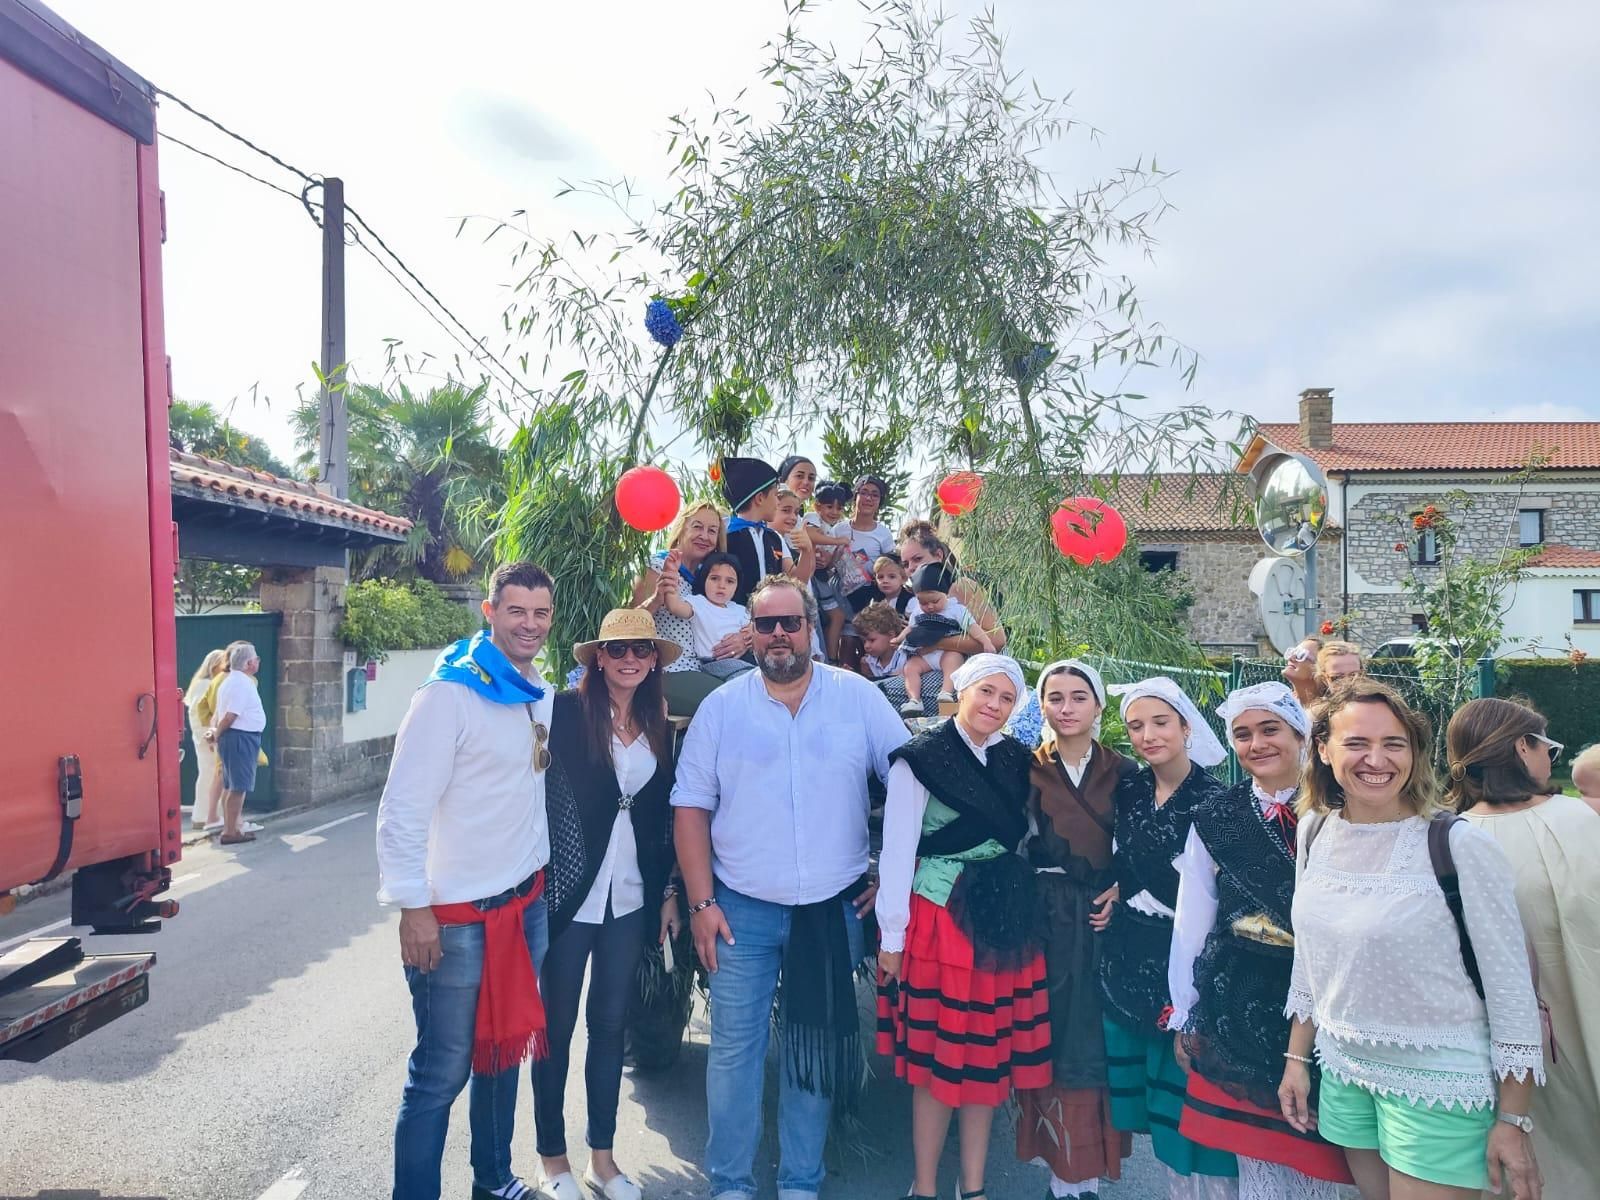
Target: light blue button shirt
{"type": "Point", "coordinates": [788, 794]}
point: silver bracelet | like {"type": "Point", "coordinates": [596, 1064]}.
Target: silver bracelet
{"type": "Point", "coordinates": [702, 906]}
{"type": "Point", "coordinates": [1299, 1058]}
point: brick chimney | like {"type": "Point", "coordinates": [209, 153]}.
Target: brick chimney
{"type": "Point", "coordinates": [1316, 418]}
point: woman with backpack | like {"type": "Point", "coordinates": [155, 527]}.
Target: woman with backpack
{"type": "Point", "coordinates": [1424, 1023]}
{"type": "Point", "coordinates": [1500, 761]}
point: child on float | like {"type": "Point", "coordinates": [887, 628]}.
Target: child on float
{"type": "Point", "coordinates": [1232, 954]}
{"type": "Point", "coordinates": [878, 625]}
{"type": "Point", "coordinates": [830, 534]}
{"type": "Point", "coordinates": [962, 1005]}
{"type": "Point", "coordinates": [934, 615]}
{"type": "Point", "coordinates": [1067, 1126]}
{"type": "Point", "coordinates": [892, 582]}
{"type": "Point", "coordinates": [799, 560]}
{"type": "Point", "coordinates": [750, 487]}
{"type": "Point", "coordinates": [1155, 808]}
{"type": "Point", "coordinates": [712, 613]}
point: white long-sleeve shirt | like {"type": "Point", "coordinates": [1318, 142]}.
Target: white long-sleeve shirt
{"type": "Point", "coordinates": [619, 878]}
{"type": "Point", "coordinates": [1377, 963]}
{"type": "Point", "coordinates": [462, 815]}
{"type": "Point", "coordinates": [1196, 911]}
{"type": "Point", "coordinates": [905, 805]}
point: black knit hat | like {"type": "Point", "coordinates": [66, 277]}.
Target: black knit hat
{"type": "Point", "coordinates": [933, 577]}
{"type": "Point", "coordinates": [745, 478]}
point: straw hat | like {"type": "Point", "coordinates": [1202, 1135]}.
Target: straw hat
{"type": "Point", "coordinates": [627, 625]}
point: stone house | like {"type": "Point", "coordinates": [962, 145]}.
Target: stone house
{"type": "Point", "coordinates": [1380, 475]}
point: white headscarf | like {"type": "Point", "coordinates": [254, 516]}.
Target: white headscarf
{"type": "Point", "coordinates": [1047, 735]}
{"type": "Point", "coordinates": [981, 666]}
{"type": "Point", "coordinates": [1204, 748]}
{"type": "Point", "coordinates": [1272, 697]}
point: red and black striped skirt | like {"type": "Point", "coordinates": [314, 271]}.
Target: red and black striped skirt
{"type": "Point", "coordinates": [966, 1034]}
{"type": "Point", "coordinates": [1214, 1118]}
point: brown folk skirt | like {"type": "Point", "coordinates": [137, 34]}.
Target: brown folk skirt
{"type": "Point", "coordinates": [1070, 1131]}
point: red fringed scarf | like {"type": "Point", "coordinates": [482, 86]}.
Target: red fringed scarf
{"type": "Point", "coordinates": [510, 1022]}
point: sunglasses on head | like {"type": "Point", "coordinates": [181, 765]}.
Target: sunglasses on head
{"type": "Point", "coordinates": [768, 624]}
{"type": "Point", "coordinates": [643, 648]}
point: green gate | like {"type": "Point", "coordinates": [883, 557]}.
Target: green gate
{"type": "Point", "coordinates": [197, 636]}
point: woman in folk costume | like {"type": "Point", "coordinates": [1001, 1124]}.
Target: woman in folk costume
{"type": "Point", "coordinates": [1067, 1126]}
{"type": "Point", "coordinates": [1155, 808]}
{"type": "Point", "coordinates": [1232, 953]}
{"type": "Point", "coordinates": [962, 1005]}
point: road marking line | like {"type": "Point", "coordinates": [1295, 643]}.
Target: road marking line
{"type": "Point", "coordinates": [33, 933]}
{"type": "Point", "coordinates": [288, 1187]}
{"type": "Point", "coordinates": [329, 825]}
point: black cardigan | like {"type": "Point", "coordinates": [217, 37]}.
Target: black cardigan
{"type": "Point", "coordinates": [581, 802]}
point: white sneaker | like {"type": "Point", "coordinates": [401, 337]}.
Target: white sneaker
{"type": "Point", "coordinates": [620, 1188]}
{"type": "Point", "coordinates": [559, 1187]}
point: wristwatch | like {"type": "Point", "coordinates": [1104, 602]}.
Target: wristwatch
{"type": "Point", "coordinates": [1522, 1122]}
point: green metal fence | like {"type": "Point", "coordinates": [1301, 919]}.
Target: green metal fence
{"type": "Point", "coordinates": [199, 635]}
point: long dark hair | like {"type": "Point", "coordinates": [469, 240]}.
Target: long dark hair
{"type": "Point", "coordinates": [1484, 765]}
{"type": "Point", "coordinates": [649, 711]}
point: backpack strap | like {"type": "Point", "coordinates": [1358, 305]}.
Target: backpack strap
{"type": "Point", "coordinates": [1313, 827]}
{"type": "Point", "coordinates": [1444, 870]}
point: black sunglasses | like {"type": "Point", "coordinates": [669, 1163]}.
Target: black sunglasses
{"type": "Point", "coordinates": [768, 624]}
{"type": "Point", "coordinates": [643, 648]}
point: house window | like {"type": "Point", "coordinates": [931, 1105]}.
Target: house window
{"type": "Point", "coordinates": [1586, 606]}
{"type": "Point", "coordinates": [1419, 622]}
{"type": "Point", "coordinates": [1427, 548]}
{"type": "Point", "coordinates": [1158, 560]}
{"type": "Point", "coordinates": [1530, 526]}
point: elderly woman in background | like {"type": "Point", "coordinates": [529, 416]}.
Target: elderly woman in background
{"type": "Point", "coordinates": [1500, 760]}
{"type": "Point", "coordinates": [961, 1002]}
{"type": "Point", "coordinates": [1073, 777]}
{"type": "Point", "coordinates": [1232, 952]}
{"type": "Point", "coordinates": [240, 723]}
{"type": "Point", "coordinates": [1300, 672]}
{"type": "Point", "coordinates": [697, 532]}
{"type": "Point", "coordinates": [1337, 664]}
{"type": "Point", "coordinates": [200, 701]}
{"type": "Point", "coordinates": [1156, 807]}
{"type": "Point", "coordinates": [1428, 1065]}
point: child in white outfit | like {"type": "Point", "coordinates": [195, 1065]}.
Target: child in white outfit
{"type": "Point", "coordinates": [934, 615]}
{"type": "Point", "coordinates": [712, 614]}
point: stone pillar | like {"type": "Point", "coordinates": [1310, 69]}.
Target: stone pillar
{"type": "Point", "coordinates": [310, 682]}
{"type": "Point", "coordinates": [1316, 418]}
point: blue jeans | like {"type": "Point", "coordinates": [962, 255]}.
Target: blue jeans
{"type": "Point", "coordinates": [445, 1003]}
{"type": "Point", "coordinates": [741, 1020]}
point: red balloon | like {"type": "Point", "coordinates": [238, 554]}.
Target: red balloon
{"type": "Point", "coordinates": [1088, 530]}
{"type": "Point", "coordinates": [647, 498]}
{"type": "Point", "coordinates": [959, 492]}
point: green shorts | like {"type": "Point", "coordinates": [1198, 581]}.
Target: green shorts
{"type": "Point", "coordinates": [1432, 1143]}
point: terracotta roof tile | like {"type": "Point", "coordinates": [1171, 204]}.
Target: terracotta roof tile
{"type": "Point", "coordinates": [257, 489]}
{"type": "Point", "coordinates": [1447, 445]}
{"type": "Point", "coordinates": [1557, 555]}
{"type": "Point", "coordinates": [1180, 502]}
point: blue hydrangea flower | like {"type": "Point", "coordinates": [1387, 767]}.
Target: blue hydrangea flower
{"type": "Point", "coordinates": [1027, 368]}
{"type": "Point", "coordinates": [1028, 724]}
{"type": "Point", "coordinates": [662, 323]}
{"type": "Point", "coordinates": [574, 677]}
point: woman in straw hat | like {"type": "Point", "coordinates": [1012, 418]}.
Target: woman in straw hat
{"type": "Point", "coordinates": [610, 885]}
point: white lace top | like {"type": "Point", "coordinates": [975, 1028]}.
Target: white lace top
{"type": "Point", "coordinates": [1377, 964]}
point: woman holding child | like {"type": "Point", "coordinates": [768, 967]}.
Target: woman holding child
{"type": "Point", "coordinates": [1073, 777]}
{"type": "Point", "coordinates": [962, 1004]}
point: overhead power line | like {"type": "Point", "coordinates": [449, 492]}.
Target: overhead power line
{"type": "Point", "coordinates": [474, 346]}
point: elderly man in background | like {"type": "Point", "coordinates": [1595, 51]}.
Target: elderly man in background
{"type": "Point", "coordinates": [1338, 663]}
{"type": "Point", "coordinates": [240, 721]}
{"type": "Point", "coordinates": [771, 831]}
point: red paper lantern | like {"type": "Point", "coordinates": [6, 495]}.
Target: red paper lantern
{"type": "Point", "coordinates": [959, 492]}
{"type": "Point", "coordinates": [647, 498]}
{"type": "Point", "coordinates": [1088, 530]}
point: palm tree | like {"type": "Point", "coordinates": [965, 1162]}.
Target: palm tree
{"type": "Point", "coordinates": [433, 459]}
{"type": "Point", "coordinates": [197, 427]}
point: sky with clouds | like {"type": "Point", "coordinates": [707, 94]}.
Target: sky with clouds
{"type": "Point", "coordinates": [1393, 198]}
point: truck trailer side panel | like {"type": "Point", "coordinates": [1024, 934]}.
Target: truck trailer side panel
{"type": "Point", "coordinates": [84, 504]}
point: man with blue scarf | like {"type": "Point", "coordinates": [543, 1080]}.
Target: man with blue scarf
{"type": "Point", "coordinates": [462, 847]}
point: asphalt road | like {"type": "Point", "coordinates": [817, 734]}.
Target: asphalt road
{"type": "Point", "coordinates": [269, 1061]}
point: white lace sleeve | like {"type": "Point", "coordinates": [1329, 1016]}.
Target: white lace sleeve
{"type": "Point", "coordinates": [1299, 1004]}
{"type": "Point", "coordinates": [1488, 896]}
{"type": "Point", "coordinates": [906, 802]}
{"type": "Point", "coordinates": [1196, 913]}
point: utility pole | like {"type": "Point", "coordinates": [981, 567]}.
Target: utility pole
{"type": "Point", "coordinates": [333, 470]}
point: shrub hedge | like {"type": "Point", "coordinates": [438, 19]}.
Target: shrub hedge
{"type": "Point", "coordinates": [381, 615]}
{"type": "Point", "coordinates": [1568, 695]}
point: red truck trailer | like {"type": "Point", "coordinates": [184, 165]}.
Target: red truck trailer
{"type": "Point", "coordinates": [89, 709]}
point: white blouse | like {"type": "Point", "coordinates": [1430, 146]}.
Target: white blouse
{"type": "Point", "coordinates": [1377, 964]}
{"type": "Point", "coordinates": [620, 879]}
{"type": "Point", "coordinates": [1197, 909]}
{"type": "Point", "coordinates": [905, 803]}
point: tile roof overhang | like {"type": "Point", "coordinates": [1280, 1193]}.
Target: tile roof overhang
{"type": "Point", "coordinates": [1556, 556]}
{"type": "Point", "coordinates": [205, 488]}
{"type": "Point", "coordinates": [1404, 446]}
